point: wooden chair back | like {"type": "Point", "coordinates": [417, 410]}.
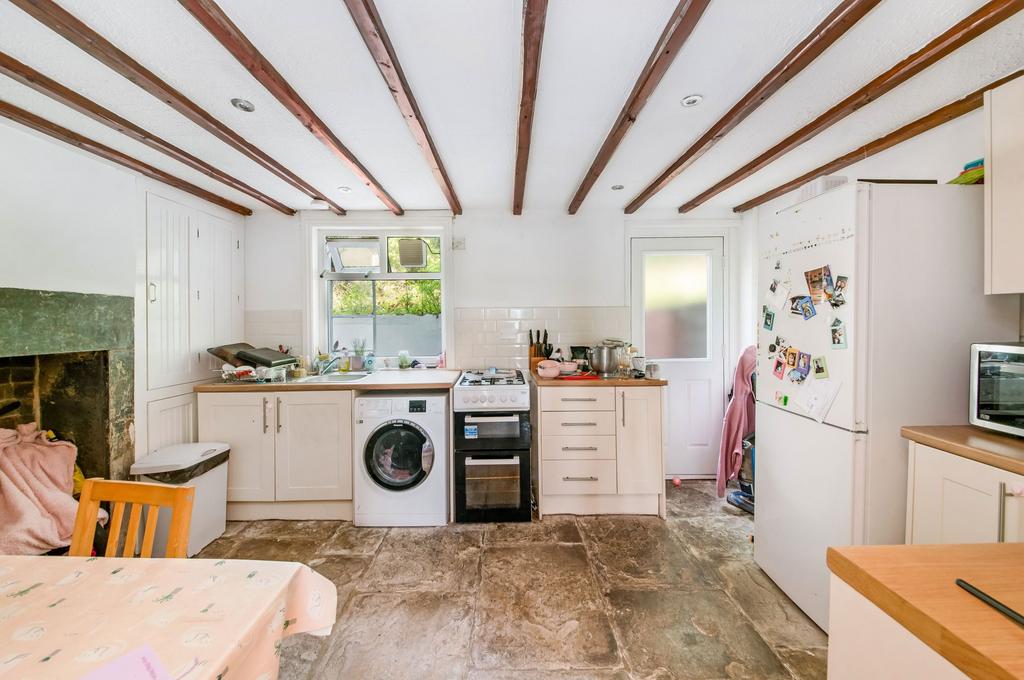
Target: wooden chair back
{"type": "Point", "coordinates": [137, 494]}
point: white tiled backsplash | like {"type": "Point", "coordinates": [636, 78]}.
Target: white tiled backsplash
{"type": "Point", "coordinates": [273, 327]}
{"type": "Point", "coordinates": [497, 336]}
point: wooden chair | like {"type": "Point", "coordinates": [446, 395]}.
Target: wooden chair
{"type": "Point", "coordinates": [138, 494]}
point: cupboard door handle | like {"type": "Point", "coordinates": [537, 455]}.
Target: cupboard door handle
{"type": "Point", "coordinates": [579, 424]}
{"type": "Point", "coordinates": [579, 448]}
{"type": "Point", "coordinates": [623, 409]}
{"type": "Point", "coordinates": [579, 398]}
{"type": "Point", "coordinates": [579, 479]}
{"type": "Point", "coordinates": [152, 292]}
{"type": "Point", "coordinates": [279, 414]}
{"type": "Point", "coordinates": [264, 415]}
{"type": "Point", "coordinates": [1014, 492]}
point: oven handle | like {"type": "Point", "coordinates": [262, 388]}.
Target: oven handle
{"type": "Point", "coordinates": [492, 419]}
{"type": "Point", "coordinates": [472, 462]}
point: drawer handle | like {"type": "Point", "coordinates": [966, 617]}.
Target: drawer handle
{"type": "Point", "coordinates": [579, 448]}
{"type": "Point", "coordinates": [579, 479]}
{"type": "Point", "coordinates": [579, 398]}
{"type": "Point", "coordinates": [579, 424]}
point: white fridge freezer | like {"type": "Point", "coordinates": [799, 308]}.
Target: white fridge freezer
{"type": "Point", "coordinates": [913, 303]}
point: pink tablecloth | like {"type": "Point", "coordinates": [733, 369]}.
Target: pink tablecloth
{"type": "Point", "coordinates": [64, 617]}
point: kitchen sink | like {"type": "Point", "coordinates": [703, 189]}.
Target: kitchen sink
{"type": "Point", "coordinates": [332, 378]}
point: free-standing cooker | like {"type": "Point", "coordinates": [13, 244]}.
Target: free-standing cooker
{"type": "Point", "coordinates": [492, 440]}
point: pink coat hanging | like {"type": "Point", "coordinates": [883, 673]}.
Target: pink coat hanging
{"type": "Point", "coordinates": [739, 420]}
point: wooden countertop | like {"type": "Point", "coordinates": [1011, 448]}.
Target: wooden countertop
{"type": "Point", "coordinates": [998, 450]}
{"type": "Point", "coordinates": [915, 585]}
{"type": "Point", "coordinates": [611, 382]}
{"type": "Point", "coordinates": [408, 379]}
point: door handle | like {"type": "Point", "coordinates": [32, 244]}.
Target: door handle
{"type": "Point", "coordinates": [579, 448]}
{"type": "Point", "coordinates": [264, 415]}
{"type": "Point", "coordinates": [579, 479]}
{"type": "Point", "coordinates": [623, 409]}
{"type": "Point", "coordinates": [152, 292]}
{"type": "Point", "coordinates": [279, 414]}
{"type": "Point", "coordinates": [579, 424]}
{"type": "Point", "coordinates": [1003, 495]}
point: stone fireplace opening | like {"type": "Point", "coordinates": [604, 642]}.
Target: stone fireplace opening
{"type": "Point", "coordinates": [67, 359]}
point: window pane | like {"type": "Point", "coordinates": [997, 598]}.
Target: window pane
{"type": "Point", "coordinates": [676, 305]}
{"type": "Point", "coordinates": [408, 317]}
{"type": "Point", "coordinates": [351, 298]}
{"type": "Point", "coordinates": [352, 255]}
{"type": "Point", "coordinates": [431, 246]}
{"type": "Point", "coordinates": [409, 297]}
{"type": "Point", "coordinates": [345, 330]}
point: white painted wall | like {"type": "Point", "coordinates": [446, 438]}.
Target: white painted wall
{"type": "Point", "coordinates": [67, 221]}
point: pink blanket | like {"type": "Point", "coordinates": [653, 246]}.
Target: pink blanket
{"type": "Point", "coordinates": [739, 420]}
{"type": "Point", "coordinates": [37, 511]}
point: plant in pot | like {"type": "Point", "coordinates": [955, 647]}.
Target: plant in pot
{"type": "Point", "coordinates": [359, 352]}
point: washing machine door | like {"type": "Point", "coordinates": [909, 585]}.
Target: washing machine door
{"type": "Point", "coordinates": [398, 455]}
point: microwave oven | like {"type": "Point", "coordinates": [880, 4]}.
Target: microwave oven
{"type": "Point", "coordinates": [997, 387]}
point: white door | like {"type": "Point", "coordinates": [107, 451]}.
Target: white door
{"type": "Point", "coordinates": [169, 358]}
{"type": "Point", "coordinates": [678, 302]}
{"type": "Point", "coordinates": [957, 500]}
{"type": "Point", "coordinates": [314, 445]}
{"type": "Point", "coordinates": [245, 420]}
{"type": "Point", "coordinates": [638, 439]}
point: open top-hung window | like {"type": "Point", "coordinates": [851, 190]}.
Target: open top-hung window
{"type": "Point", "coordinates": [384, 291]}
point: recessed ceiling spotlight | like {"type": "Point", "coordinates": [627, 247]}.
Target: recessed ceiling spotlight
{"type": "Point", "coordinates": [692, 100]}
{"type": "Point", "coordinates": [344, 190]}
{"type": "Point", "coordinates": [243, 105]}
{"type": "Point", "coordinates": [617, 187]}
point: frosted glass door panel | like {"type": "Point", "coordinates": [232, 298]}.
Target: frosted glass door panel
{"type": "Point", "coordinates": [676, 305]}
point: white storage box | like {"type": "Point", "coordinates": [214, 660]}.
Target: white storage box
{"type": "Point", "coordinates": [202, 465]}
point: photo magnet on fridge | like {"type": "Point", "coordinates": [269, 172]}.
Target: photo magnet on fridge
{"type": "Point", "coordinates": [816, 279]}
{"type": "Point", "coordinates": [780, 368]}
{"type": "Point", "coordinates": [803, 306]}
{"type": "Point", "coordinates": [819, 368]}
{"type": "Point", "coordinates": [797, 375]}
{"type": "Point", "coordinates": [838, 331]}
{"type": "Point", "coordinates": [769, 318]}
{"type": "Point", "coordinates": [837, 298]}
{"type": "Point", "coordinates": [803, 363]}
{"type": "Point", "coordinates": [776, 295]}
{"type": "Point", "coordinates": [792, 354]}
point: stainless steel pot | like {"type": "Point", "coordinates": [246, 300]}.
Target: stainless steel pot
{"type": "Point", "coordinates": [604, 360]}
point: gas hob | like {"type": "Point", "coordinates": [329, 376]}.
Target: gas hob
{"type": "Point", "coordinates": [492, 389]}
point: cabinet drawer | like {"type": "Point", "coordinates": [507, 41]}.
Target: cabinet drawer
{"type": "Point", "coordinates": [577, 399]}
{"type": "Point", "coordinates": [571, 477]}
{"type": "Point", "coordinates": [588, 447]}
{"type": "Point", "coordinates": [573, 423]}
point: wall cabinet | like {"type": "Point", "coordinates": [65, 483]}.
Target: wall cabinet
{"type": "Point", "coordinates": [1004, 188]}
{"type": "Point", "coordinates": [285, 446]}
{"type": "Point", "coordinates": [957, 500]}
{"type": "Point", "coordinates": [194, 281]}
{"type": "Point", "coordinates": [600, 449]}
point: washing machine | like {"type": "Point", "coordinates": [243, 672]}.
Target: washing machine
{"type": "Point", "coordinates": [401, 460]}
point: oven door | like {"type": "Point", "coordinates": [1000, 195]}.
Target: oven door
{"type": "Point", "coordinates": [492, 431]}
{"type": "Point", "coordinates": [492, 486]}
{"type": "Point", "coordinates": [997, 388]}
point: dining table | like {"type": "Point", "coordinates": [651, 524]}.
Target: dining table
{"type": "Point", "coordinates": [108, 618]}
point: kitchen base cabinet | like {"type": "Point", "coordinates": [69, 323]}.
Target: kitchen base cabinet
{"type": "Point", "coordinates": [952, 499]}
{"type": "Point", "coordinates": [600, 449]}
{"type": "Point", "coordinates": [291, 452]}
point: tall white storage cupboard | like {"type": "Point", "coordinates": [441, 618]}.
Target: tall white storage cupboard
{"type": "Point", "coordinates": [887, 346]}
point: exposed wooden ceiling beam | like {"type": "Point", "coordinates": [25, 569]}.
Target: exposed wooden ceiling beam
{"type": "Point", "coordinates": [33, 121]}
{"type": "Point", "coordinates": [371, 27]}
{"type": "Point", "coordinates": [62, 22]}
{"type": "Point", "coordinates": [534, 16]}
{"type": "Point", "coordinates": [677, 31]}
{"type": "Point", "coordinates": [26, 75]}
{"type": "Point", "coordinates": [214, 20]}
{"type": "Point", "coordinates": [989, 15]}
{"type": "Point", "coordinates": [834, 26]}
{"type": "Point", "coordinates": [971, 102]}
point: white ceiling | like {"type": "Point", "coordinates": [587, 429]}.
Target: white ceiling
{"type": "Point", "coordinates": [462, 59]}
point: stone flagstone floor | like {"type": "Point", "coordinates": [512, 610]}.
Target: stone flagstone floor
{"type": "Point", "coordinates": [568, 598]}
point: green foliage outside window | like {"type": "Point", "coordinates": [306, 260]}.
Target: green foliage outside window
{"type": "Point", "coordinates": [395, 297]}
